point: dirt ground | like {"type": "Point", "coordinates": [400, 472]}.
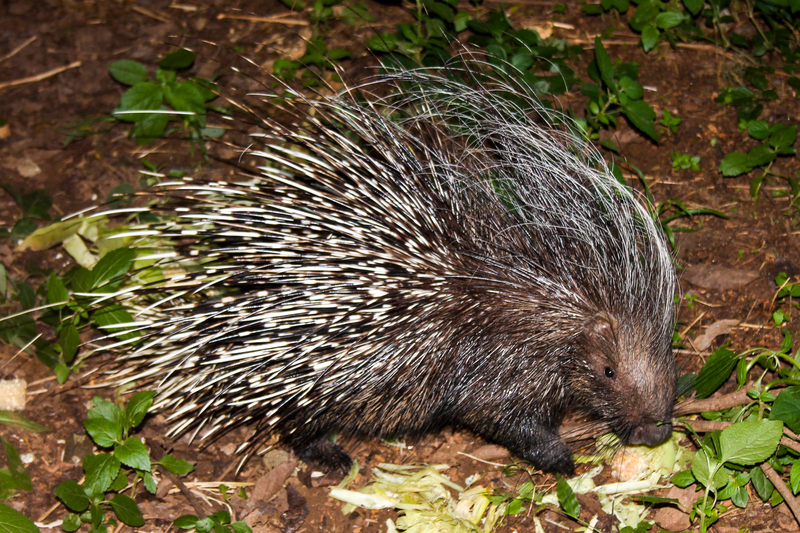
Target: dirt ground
{"type": "Point", "coordinates": [84, 37]}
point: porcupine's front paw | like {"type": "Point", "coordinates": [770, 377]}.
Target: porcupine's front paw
{"type": "Point", "coordinates": [545, 450]}
{"type": "Point", "coordinates": [324, 454]}
{"type": "Point", "coordinates": [553, 456]}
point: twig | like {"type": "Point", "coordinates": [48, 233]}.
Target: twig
{"type": "Point", "coordinates": [782, 489]}
{"type": "Point", "coordinates": [277, 19]}
{"type": "Point", "coordinates": [16, 50]}
{"type": "Point", "coordinates": [153, 14]}
{"type": "Point", "coordinates": [39, 77]}
{"type": "Point", "coordinates": [694, 406]}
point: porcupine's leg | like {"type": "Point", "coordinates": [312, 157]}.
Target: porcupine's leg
{"type": "Point", "coordinates": [542, 447]}
{"type": "Point", "coordinates": [320, 452]}
{"type": "Point", "coordinates": [531, 440]}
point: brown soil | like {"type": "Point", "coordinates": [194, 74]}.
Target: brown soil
{"type": "Point", "coordinates": [87, 36]}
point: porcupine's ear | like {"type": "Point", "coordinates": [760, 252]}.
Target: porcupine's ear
{"type": "Point", "coordinates": [599, 337]}
{"type": "Point", "coordinates": [601, 326]}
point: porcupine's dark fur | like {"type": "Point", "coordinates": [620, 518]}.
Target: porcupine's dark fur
{"type": "Point", "coordinates": [469, 267]}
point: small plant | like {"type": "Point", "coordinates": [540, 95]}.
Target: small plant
{"type": "Point", "coordinates": [219, 522]}
{"type": "Point", "coordinates": [317, 60]}
{"type": "Point", "coordinates": [615, 91]}
{"type": "Point", "coordinates": [656, 20]}
{"type": "Point", "coordinates": [685, 162]}
{"type": "Point", "coordinates": [126, 465]}
{"type": "Point", "coordinates": [778, 140]}
{"type": "Point", "coordinates": [34, 206]}
{"type": "Point", "coordinates": [670, 121]}
{"type": "Point", "coordinates": [145, 103]}
{"type": "Point", "coordinates": [741, 447]}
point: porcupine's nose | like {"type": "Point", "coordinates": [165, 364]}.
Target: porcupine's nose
{"type": "Point", "coordinates": [650, 434]}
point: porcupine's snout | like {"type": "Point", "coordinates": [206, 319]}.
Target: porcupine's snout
{"type": "Point", "coordinates": [650, 434]}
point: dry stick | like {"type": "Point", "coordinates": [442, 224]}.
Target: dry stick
{"type": "Point", "coordinates": [693, 406]}
{"type": "Point", "coordinates": [40, 77]}
{"type": "Point", "coordinates": [277, 19]}
{"type": "Point", "coordinates": [16, 50]}
{"type": "Point", "coordinates": [782, 489]}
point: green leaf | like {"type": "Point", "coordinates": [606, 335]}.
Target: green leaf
{"type": "Point", "coordinates": [176, 466]}
{"type": "Point", "coordinates": [177, 60]}
{"type": "Point", "coordinates": [187, 521]}
{"type": "Point", "coordinates": [787, 408]}
{"type": "Point", "coordinates": [73, 496]}
{"type": "Point", "coordinates": [643, 117]}
{"type": "Point", "coordinates": [150, 127]}
{"type": "Point", "coordinates": [694, 6]}
{"type": "Point", "coordinates": [740, 497]}
{"type": "Point", "coordinates": [566, 498]}
{"type": "Point", "coordinates": [669, 19]}
{"type": "Point", "coordinates": [22, 229]}
{"type": "Point", "coordinates": [702, 468]}
{"type": "Point", "coordinates": [683, 479]}
{"type": "Point", "coordinates": [760, 155]}
{"type": "Point", "coordinates": [783, 136]}
{"type": "Point", "coordinates": [604, 64]}
{"type": "Point", "coordinates": [110, 317]}
{"type": "Point", "coordinates": [19, 476]}
{"type": "Point", "coordinates": [101, 471]}
{"type": "Point", "coordinates": [748, 443]}
{"type": "Point", "coordinates": [759, 130]}
{"type": "Point", "coordinates": [71, 522]}
{"type": "Point", "coordinates": [186, 97]}
{"type": "Point", "coordinates": [112, 265]}
{"type": "Point", "coordinates": [13, 193]}
{"type": "Point", "coordinates": [763, 486]}
{"type": "Point", "coordinates": [149, 483]}
{"type": "Point", "coordinates": [794, 477]}
{"type": "Point", "coordinates": [36, 204]}
{"type": "Point", "coordinates": [128, 72]}
{"type": "Point", "coordinates": [12, 521]}
{"type": "Point", "coordinates": [104, 433]}
{"type": "Point", "coordinates": [133, 452]}
{"type": "Point", "coordinates": [715, 372]}
{"type": "Point", "coordinates": [735, 164]}
{"type": "Point", "coordinates": [138, 101]}
{"type": "Point", "coordinates": [8, 418]}
{"type": "Point", "coordinates": [241, 527]}
{"type": "Point", "coordinates": [127, 510]}
{"type": "Point", "coordinates": [633, 89]}
{"type": "Point", "coordinates": [70, 339]}
{"type": "Point", "coordinates": [56, 291]}
{"type": "Point", "coordinates": [137, 408]}
{"type": "Point", "coordinates": [104, 409]}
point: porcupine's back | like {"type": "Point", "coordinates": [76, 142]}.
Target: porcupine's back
{"type": "Point", "coordinates": [385, 279]}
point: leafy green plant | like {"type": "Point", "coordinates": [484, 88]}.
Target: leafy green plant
{"type": "Point", "coordinates": [685, 161]}
{"type": "Point", "coordinates": [615, 91]}
{"type": "Point", "coordinates": [778, 140]}
{"type": "Point", "coordinates": [317, 60]}
{"type": "Point", "coordinates": [746, 440]}
{"type": "Point", "coordinates": [126, 464]}
{"type": "Point", "coordinates": [219, 522]}
{"type": "Point", "coordinates": [34, 205]}
{"type": "Point", "coordinates": [670, 121]}
{"type": "Point", "coordinates": [152, 104]}
{"type": "Point", "coordinates": [14, 477]}
{"type": "Point", "coordinates": [749, 104]}
{"type": "Point", "coordinates": [656, 20]}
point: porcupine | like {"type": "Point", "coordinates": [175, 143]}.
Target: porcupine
{"type": "Point", "coordinates": [470, 266]}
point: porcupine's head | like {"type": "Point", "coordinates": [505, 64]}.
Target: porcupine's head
{"type": "Point", "coordinates": [599, 265]}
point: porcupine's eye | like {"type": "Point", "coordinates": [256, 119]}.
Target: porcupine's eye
{"type": "Point", "coordinates": [609, 372]}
